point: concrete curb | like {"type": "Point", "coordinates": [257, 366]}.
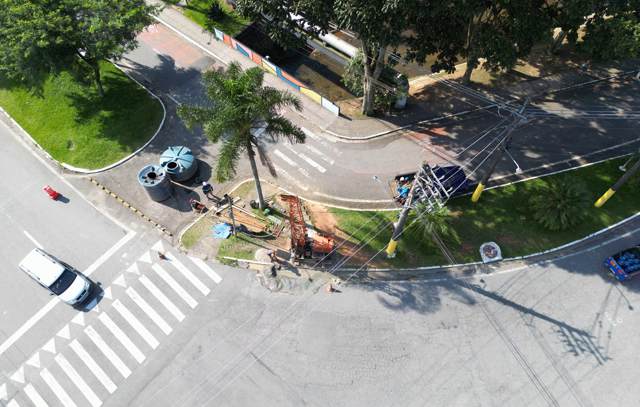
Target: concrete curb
{"type": "Point", "coordinates": [509, 259]}
{"type": "Point", "coordinates": [130, 156]}
{"type": "Point", "coordinates": [132, 208]}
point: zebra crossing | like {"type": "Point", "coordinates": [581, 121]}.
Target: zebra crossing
{"type": "Point", "coordinates": [85, 362]}
{"type": "Point", "coordinates": [301, 163]}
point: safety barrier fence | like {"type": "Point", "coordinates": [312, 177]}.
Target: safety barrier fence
{"type": "Point", "coordinates": [277, 71]}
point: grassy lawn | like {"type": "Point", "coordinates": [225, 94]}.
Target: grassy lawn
{"type": "Point", "coordinates": [75, 125]}
{"type": "Point", "coordinates": [232, 23]}
{"type": "Point", "coordinates": [196, 232]}
{"type": "Point", "coordinates": [503, 216]}
{"type": "Point", "coordinates": [239, 247]}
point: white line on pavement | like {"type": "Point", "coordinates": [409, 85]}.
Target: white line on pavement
{"type": "Point", "coordinates": [93, 366]}
{"type": "Point", "coordinates": [58, 390]}
{"type": "Point", "coordinates": [107, 351]}
{"type": "Point", "coordinates": [304, 172]}
{"type": "Point", "coordinates": [320, 154]}
{"type": "Point", "coordinates": [353, 199]}
{"type": "Point", "coordinates": [75, 377]}
{"type": "Point", "coordinates": [312, 163]}
{"type": "Point", "coordinates": [290, 178]}
{"type": "Point", "coordinates": [188, 275]}
{"type": "Point", "coordinates": [285, 158]}
{"type": "Point", "coordinates": [155, 317]}
{"type": "Point", "coordinates": [175, 286]}
{"type": "Point", "coordinates": [33, 240]}
{"type": "Point", "coordinates": [208, 270]}
{"type": "Point", "coordinates": [34, 396]}
{"type": "Point", "coordinates": [122, 337]}
{"type": "Point", "coordinates": [168, 304]}
{"type": "Point", "coordinates": [136, 324]}
{"type": "Point", "coordinates": [49, 306]}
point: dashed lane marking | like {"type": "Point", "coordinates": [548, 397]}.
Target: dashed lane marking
{"type": "Point", "coordinates": [320, 154]}
{"type": "Point", "coordinates": [285, 158]}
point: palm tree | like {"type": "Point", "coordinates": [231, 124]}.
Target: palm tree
{"type": "Point", "coordinates": [435, 223]}
{"type": "Point", "coordinates": [240, 112]}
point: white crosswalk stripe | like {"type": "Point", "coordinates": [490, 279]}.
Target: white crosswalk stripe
{"type": "Point", "coordinates": [320, 154]}
{"type": "Point", "coordinates": [108, 352]}
{"type": "Point", "coordinates": [57, 389]}
{"type": "Point", "coordinates": [320, 140]}
{"type": "Point", "coordinates": [290, 177]}
{"type": "Point", "coordinates": [136, 324]}
{"type": "Point", "coordinates": [188, 275]}
{"type": "Point", "coordinates": [207, 270]}
{"type": "Point", "coordinates": [122, 337]}
{"type": "Point", "coordinates": [93, 366]}
{"type": "Point", "coordinates": [34, 396]}
{"type": "Point", "coordinates": [312, 163]}
{"type": "Point", "coordinates": [78, 380]}
{"type": "Point", "coordinates": [155, 317]}
{"type": "Point", "coordinates": [13, 403]}
{"type": "Point", "coordinates": [175, 286]}
{"type": "Point", "coordinates": [285, 158]}
{"type": "Point", "coordinates": [170, 306]}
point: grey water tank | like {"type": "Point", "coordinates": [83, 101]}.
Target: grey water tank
{"type": "Point", "coordinates": [179, 163]}
{"type": "Point", "coordinates": [156, 182]}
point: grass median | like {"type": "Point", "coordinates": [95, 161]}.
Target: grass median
{"type": "Point", "coordinates": [503, 215]}
{"type": "Point", "coordinates": [231, 23]}
{"type": "Point", "coordinates": [70, 120]}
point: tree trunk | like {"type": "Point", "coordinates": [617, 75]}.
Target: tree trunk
{"type": "Point", "coordinates": [254, 171]}
{"type": "Point", "coordinates": [373, 65]}
{"type": "Point", "coordinates": [96, 76]}
{"type": "Point", "coordinates": [557, 41]}
{"type": "Point", "coordinates": [472, 62]}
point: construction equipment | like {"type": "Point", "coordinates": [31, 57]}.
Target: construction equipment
{"type": "Point", "coordinates": [302, 245]}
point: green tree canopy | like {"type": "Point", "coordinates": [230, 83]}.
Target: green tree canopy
{"type": "Point", "coordinates": [45, 35]}
{"type": "Point", "coordinates": [241, 112]}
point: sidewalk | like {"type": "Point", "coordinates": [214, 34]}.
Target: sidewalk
{"type": "Point", "coordinates": [436, 102]}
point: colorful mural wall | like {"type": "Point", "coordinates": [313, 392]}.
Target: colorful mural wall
{"type": "Point", "coordinates": [275, 70]}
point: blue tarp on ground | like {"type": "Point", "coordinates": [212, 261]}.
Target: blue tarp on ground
{"type": "Point", "coordinates": [221, 231]}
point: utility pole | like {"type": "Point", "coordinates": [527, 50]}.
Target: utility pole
{"type": "Point", "coordinates": [624, 178]}
{"type": "Point", "coordinates": [402, 220]}
{"type": "Point", "coordinates": [233, 219]}
{"type": "Point", "coordinates": [501, 149]}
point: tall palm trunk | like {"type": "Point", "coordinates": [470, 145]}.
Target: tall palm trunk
{"type": "Point", "coordinates": [256, 177]}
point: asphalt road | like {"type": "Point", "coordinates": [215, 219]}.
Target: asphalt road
{"type": "Point", "coordinates": [559, 333]}
{"type": "Point", "coordinates": [358, 174]}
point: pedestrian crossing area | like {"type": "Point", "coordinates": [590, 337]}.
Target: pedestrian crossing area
{"type": "Point", "coordinates": [299, 164]}
{"type": "Point", "coordinates": [97, 351]}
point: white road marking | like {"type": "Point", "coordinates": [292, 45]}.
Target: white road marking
{"type": "Point", "coordinates": [168, 304]}
{"type": "Point", "coordinates": [208, 270]}
{"type": "Point", "coordinates": [312, 163]}
{"type": "Point", "coordinates": [175, 286]}
{"type": "Point", "coordinates": [93, 366]}
{"type": "Point", "coordinates": [189, 275]}
{"type": "Point", "coordinates": [108, 352]}
{"type": "Point", "coordinates": [3, 391]}
{"type": "Point", "coordinates": [122, 337]}
{"type": "Point", "coordinates": [18, 375]}
{"type": "Point", "coordinates": [136, 324]}
{"type": "Point", "coordinates": [291, 178]}
{"type": "Point", "coordinates": [34, 396]}
{"type": "Point", "coordinates": [60, 393]}
{"type": "Point", "coordinates": [321, 140]}
{"type": "Point", "coordinates": [33, 240]}
{"type": "Point", "coordinates": [13, 403]}
{"type": "Point", "coordinates": [49, 306]}
{"type": "Point", "coordinates": [75, 377]}
{"type": "Point", "coordinates": [304, 172]}
{"type": "Point", "coordinates": [320, 154]}
{"type": "Point", "coordinates": [34, 360]}
{"type": "Point", "coordinates": [155, 317]}
{"type": "Point", "coordinates": [285, 158]}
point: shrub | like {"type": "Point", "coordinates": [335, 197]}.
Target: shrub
{"type": "Point", "coordinates": [560, 204]}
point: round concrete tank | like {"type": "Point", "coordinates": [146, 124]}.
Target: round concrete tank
{"type": "Point", "coordinates": [156, 182]}
{"type": "Point", "coordinates": [179, 163]}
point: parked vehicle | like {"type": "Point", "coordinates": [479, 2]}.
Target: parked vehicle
{"type": "Point", "coordinates": [58, 277]}
{"type": "Point", "coordinates": [452, 181]}
{"type": "Point", "coordinates": [625, 264]}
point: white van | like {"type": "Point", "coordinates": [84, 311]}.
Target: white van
{"type": "Point", "coordinates": [60, 279]}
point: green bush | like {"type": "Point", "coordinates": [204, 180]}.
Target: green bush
{"type": "Point", "coordinates": [560, 204]}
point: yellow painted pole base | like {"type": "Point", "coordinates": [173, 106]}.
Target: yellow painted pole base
{"type": "Point", "coordinates": [604, 198]}
{"type": "Point", "coordinates": [391, 249]}
{"type": "Point", "coordinates": [476, 194]}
